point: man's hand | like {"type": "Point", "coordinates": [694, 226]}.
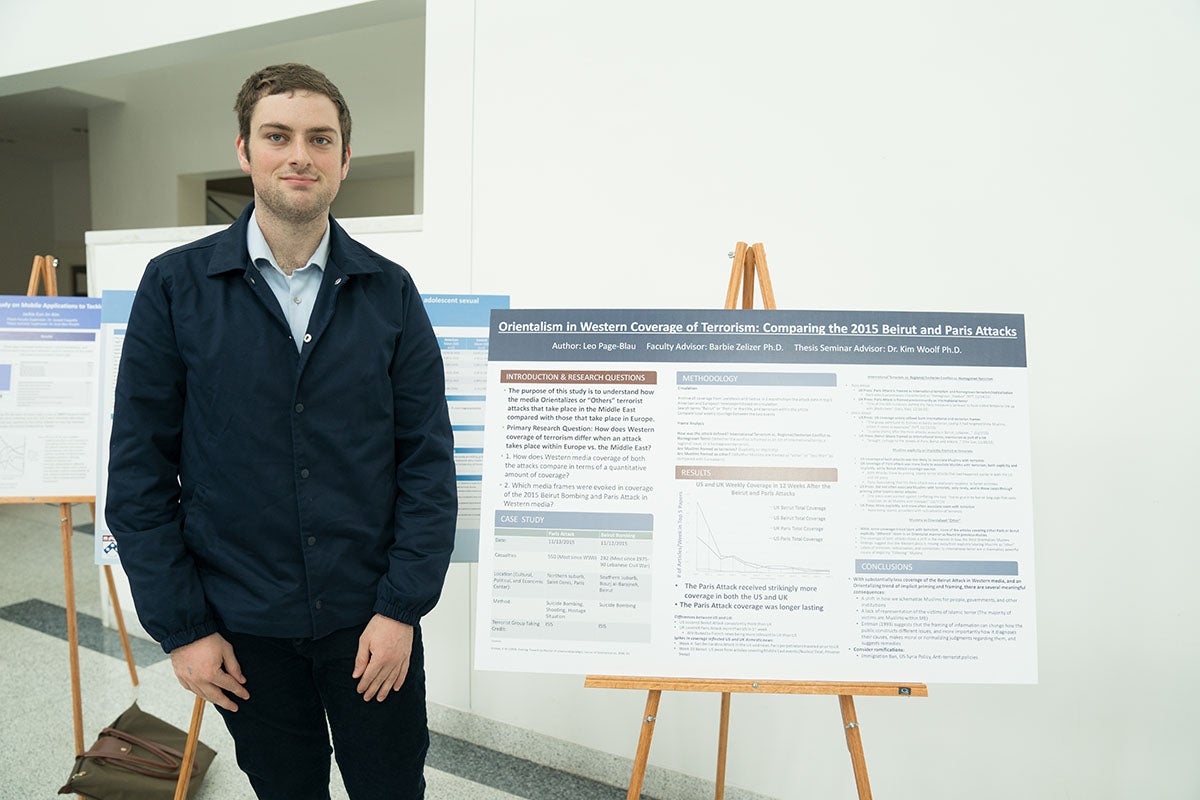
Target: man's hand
{"type": "Point", "coordinates": [382, 661]}
{"type": "Point", "coordinates": [206, 666]}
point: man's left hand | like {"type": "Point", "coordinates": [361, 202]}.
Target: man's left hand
{"type": "Point", "coordinates": [383, 653]}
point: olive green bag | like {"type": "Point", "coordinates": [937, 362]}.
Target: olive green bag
{"type": "Point", "coordinates": [136, 758]}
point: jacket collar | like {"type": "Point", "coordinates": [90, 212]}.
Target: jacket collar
{"type": "Point", "coordinates": [231, 254]}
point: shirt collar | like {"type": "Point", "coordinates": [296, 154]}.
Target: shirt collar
{"type": "Point", "coordinates": [256, 243]}
{"type": "Point", "coordinates": [229, 252]}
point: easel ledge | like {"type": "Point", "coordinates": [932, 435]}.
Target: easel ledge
{"type": "Point", "coordinates": [845, 691]}
{"type": "Point", "coordinates": [56, 500]}
{"type": "Point", "coordinates": [756, 687]}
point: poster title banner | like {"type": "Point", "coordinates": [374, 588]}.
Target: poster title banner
{"type": "Point", "coordinates": [785, 337]}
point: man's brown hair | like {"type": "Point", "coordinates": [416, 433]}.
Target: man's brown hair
{"type": "Point", "coordinates": [281, 79]}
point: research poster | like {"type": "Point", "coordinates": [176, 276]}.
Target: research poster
{"type": "Point", "coordinates": [460, 323]}
{"type": "Point", "coordinates": [48, 390]}
{"type": "Point", "coordinates": [114, 316]}
{"type": "Point", "coordinates": [791, 495]}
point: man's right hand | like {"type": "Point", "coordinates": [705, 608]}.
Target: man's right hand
{"type": "Point", "coordinates": [206, 666]}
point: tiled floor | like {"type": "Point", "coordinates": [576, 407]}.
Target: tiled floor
{"type": "Point", "coordinates": [36, 741]}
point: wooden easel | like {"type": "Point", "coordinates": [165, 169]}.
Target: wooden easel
{"type": "Point", "coordinates": [749, 263]}
{"type": "Point", "coordinates": [44, 274]}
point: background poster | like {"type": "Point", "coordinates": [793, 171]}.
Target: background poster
{"type": "Point", "coordinates": [114, 317]}
{"type": "Point", "coordinates": [758, 494]}
{"type": "Point", "coordinates": [48, 388]}
{"type": "Point", "coordinates": [461, 324]}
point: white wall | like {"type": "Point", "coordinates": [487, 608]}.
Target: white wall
{"type": "Point", "coordinates": [1035, 157]}
{"type": "Point", "coordinates": [72, 214]}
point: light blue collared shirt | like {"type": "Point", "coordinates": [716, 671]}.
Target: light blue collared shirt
{"type": "Point", "coordinates": [296, 293]}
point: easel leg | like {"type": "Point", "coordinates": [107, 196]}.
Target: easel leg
{"type": "Point", "coordinates": [64, 520]}
{"type": "Point", "coordinates": [722, 745]}
{"type": "Point", "coordinates": [189, 750]}
{"type": "Point", "coordinates": [748, 281]}
{"type": "Point", "coordinates": [116, 604]}
{"type": "Point", "coordinates": [735, 275]}
{"type": "Point", "coordinates": [643, 747]}
{"type": "Point", "coordinates": [854, 743]}
{"type": "Point", "coordinates": [64, 510]}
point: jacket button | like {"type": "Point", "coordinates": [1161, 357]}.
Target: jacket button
{"type": "Point", "coordinates": [303, 473]}
{"type": "Point", "coordinates": [299, 407]}
{"type": "Point", "coordinates": [318, 605]}
{"type": "Point", "coordinates": [308, 337]}
{"type": "Point", "coordinates": [312, 540]}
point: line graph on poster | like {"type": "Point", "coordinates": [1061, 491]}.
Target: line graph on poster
{"type": "Point", "coordinates": [760, 538]}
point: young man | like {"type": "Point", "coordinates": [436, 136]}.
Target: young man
{"type": "Point", "coordinates": [281, 479]}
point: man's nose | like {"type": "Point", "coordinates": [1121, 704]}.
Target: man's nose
{"type": "Point", "coordinates": [298, 152]}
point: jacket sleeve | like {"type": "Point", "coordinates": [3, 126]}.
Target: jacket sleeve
{"type": "Point", "coordinates": [142, 506]}
{"type": "Point", "coordinates": [427, 494]}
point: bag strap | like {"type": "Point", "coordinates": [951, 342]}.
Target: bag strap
{"type": "Point", "coordinates": [141, 766]}
{"type": "Point", "coordinates": [165, 764]}
{"type": "Point", "coordinates": [168, 754]}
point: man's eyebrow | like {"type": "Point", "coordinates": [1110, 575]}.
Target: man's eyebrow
{"type": "Point", "coordinates": [279, 126]}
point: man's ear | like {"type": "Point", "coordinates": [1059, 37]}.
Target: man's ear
{"type": "Point", "coordinates": [345, 162]}
{"type": "Point", "coordinates": [242, 155]}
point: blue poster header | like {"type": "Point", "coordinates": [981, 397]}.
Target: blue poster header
{"type": "Point", "coordinates": [462, 310]}
{"type": "Point", "coordinates": [53, 313]}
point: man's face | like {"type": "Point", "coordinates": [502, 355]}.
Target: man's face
{"type": "Point", "coordinates": [294, 156]}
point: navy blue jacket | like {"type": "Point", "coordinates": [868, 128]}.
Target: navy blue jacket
{"type": "Point", "coordinates": [284, 494]}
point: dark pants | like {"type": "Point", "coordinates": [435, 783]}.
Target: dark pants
{"type": "Point", "coordinates": [281, 736]}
